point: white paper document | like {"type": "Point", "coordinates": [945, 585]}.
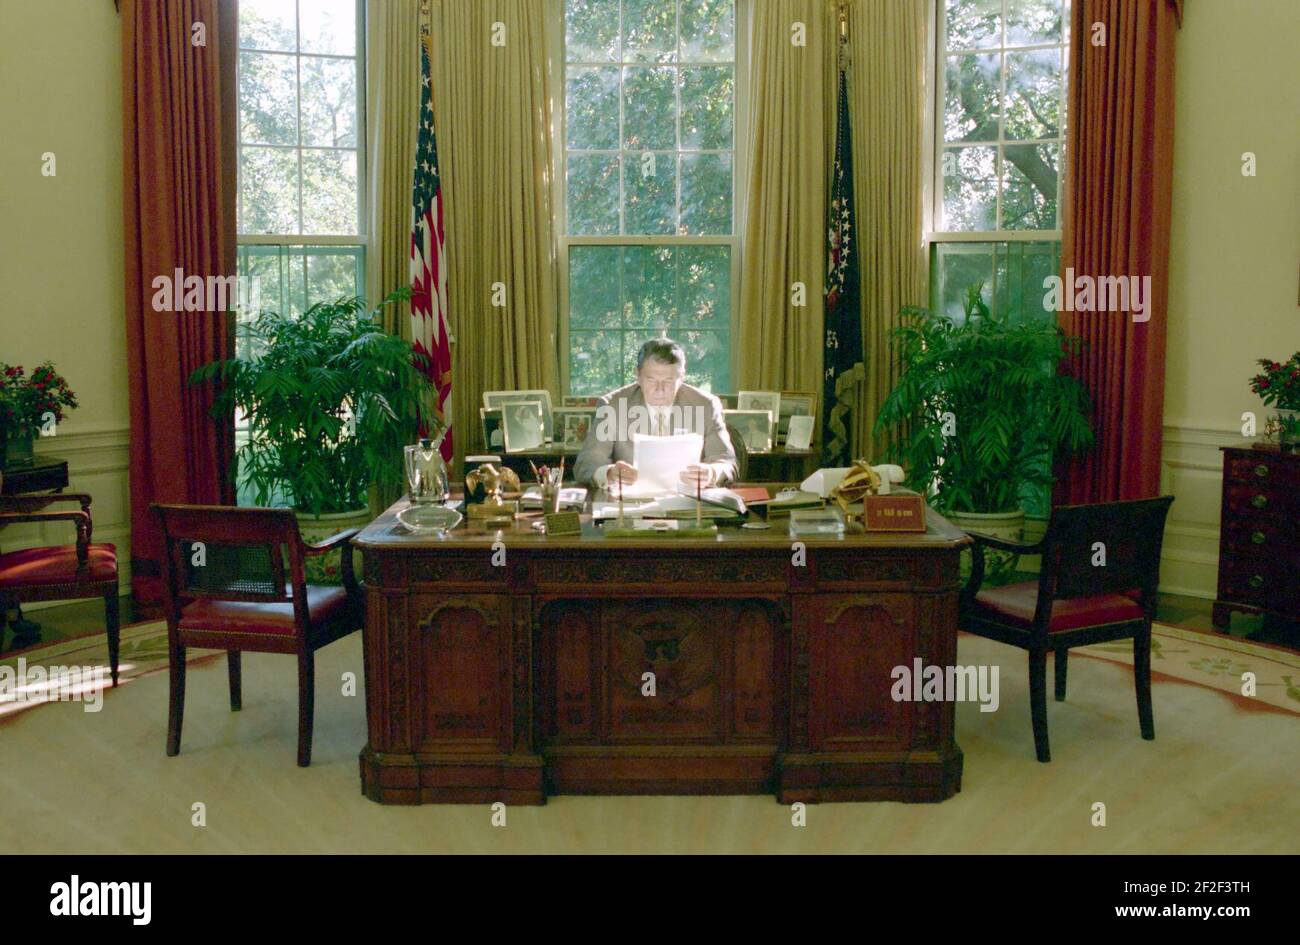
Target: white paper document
{"type": "Point", "coordinates": [659, 461]}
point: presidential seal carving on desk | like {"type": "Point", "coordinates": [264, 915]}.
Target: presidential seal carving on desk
{"type": "Point", "coordinates": [679, 651]}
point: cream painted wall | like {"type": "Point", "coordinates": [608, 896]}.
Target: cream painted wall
{"type": "Point", "coordinates": [61, 237]}
{"type": "Point", "coordinates": [1235, 245]}
{"type": "Point", "coordinates": [1234, 254]}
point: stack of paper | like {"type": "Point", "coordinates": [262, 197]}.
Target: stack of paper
{"type": "Point", "coordinates": [571, 497]}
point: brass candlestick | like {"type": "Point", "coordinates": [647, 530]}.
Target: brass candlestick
{"type": "Point", "coordinates": [620, 498]}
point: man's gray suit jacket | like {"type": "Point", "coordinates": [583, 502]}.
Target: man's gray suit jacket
{"type": "Point", "coordinates": [624, 411]}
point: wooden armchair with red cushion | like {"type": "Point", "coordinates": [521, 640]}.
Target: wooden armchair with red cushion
{"type": "Point", "coordinates": [59, 572]}
{"type": "Point", "coordinates": [226, 589]}
{"type": "Point", "coordinates": [1097, 583]}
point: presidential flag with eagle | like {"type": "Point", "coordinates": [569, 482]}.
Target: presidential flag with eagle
{"type": "Point", "coordinates": [843, 358]}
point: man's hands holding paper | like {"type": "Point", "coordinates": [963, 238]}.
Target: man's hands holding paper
{"type": "Point", "coordinates": [697, 476]}
{"type": "Point", "coordinates": [620, 473]}
{"type": "Point", "coordinates": [693, 476]}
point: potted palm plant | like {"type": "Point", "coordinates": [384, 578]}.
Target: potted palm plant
{"type": "Point", "coordinates": [330, 400]}
{"type": "Point", "coordinates": [980, 412]}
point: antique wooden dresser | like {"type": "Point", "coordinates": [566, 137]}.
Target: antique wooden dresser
{"type": "Point", "coordinates": [1259, 535]}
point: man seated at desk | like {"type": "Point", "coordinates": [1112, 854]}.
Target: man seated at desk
{"type": "Point", "coordinates": [660, 403]}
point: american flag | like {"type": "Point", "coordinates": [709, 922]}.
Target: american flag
{"type": "Point", "coordinates": [429, 329]}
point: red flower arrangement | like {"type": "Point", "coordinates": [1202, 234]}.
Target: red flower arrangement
{"type": "Point", "coordinates": [1279, 383]}
{"type": "Point", "coordinates": [27, 403]}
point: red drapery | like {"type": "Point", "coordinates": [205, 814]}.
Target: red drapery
{"type": "Point", "coordinates": [179, 108]}
{"type": "Point", "coordinates": [1119, 159]}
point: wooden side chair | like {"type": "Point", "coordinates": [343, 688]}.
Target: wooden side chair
{"type": "Point", "coordinates": [1101, 566]}
{"type": "Point", "coordinates": [226, 589]}
{"type": "Point", "coordinates": [59, 572]}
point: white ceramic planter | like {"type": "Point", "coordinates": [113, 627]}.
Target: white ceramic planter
{"type": "Point", "coordinates": [314, 528]}
{"type": "Point", "coordinates": [1009, 525]}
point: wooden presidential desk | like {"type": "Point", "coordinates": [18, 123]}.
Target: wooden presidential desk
{"type": "Point", "coordinates": [506, 666]}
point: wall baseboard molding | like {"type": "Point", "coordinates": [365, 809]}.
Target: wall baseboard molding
{"type": "Point", "coordinates": [1191, 470]}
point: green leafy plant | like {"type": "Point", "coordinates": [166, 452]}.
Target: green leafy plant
{"type": "Point", "coordinates": [980, 410]}
{"type": "Point", "coordinates": [331, 399]}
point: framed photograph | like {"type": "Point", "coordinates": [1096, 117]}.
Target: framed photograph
{"type": "Point", "coordinates": [768, 400]}
{"type": "Point", "coordinates": [571, 401]}
{"type": "Point", "coordinates": [800, 434]}
{"type": "Point", "coordinates": [754, 426]}
{"type": "Point", "coordinates": [572, 425]}
{"type": "Point", "coordinates": [795, 403]}
{"type": "Point", "coordinates": [523, 425]}
{"type": "Point", "coordinates": [499, 398]}
{"type": "Point", "coordinates": [493, 437]}
{"type": "Point", "coordinates": [728, 401]}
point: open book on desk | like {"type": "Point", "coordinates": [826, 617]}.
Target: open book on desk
{"type": "Point", "coordinates": [715, 503]}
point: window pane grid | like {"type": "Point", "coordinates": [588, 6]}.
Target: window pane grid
{"type": "Point", "coordinates": [319, 36]}
{"type": "Point", "coordinates": [649, 180]}
{"type": "Point", "coordinates": [1012, 182]}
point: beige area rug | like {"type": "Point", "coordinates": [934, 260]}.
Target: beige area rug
{"type": "Point", "coordinates": [1218, 778]}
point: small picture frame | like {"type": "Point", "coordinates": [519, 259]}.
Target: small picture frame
{"type": "Point", "coordinates": [768, 400]}
{"type": "Point", "coordinates": [800, 433]}
{"type": "Point", "coordinates": [795, 403]}
{"type": "Point", "coordinates": [574, 401]}
{"type": "Point", "coordinates": [493, 436]}
{"type": "Point", "coordinates": [754, 426]}
{"type": "Point", "coordinates": [523, 425]}
{"type": "Point", "coordinates": [572, 425]}
{"type": "Point", "coordinates": [499, 398]}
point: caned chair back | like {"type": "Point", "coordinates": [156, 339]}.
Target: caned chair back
{"type": "Point", "coordinates": [227, 553]}
{"type": "Point", "coordinates": [742, 452]}
{"type": "Point", "coordinates": [1104, 548]}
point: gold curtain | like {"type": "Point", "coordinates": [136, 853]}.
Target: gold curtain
{"type": "Point", "coordinates": [491, 63]}
{"type": "Point", "coordinates": [887, 110]}
{"type": "Point", "coordinates": [392, 118]}
{"type": "Point", "coordinates": [791, 134]}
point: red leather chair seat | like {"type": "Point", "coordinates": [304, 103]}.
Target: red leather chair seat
{"type": "Point", "coordinates": [230, 616]}
{"type": "Point", "coordinates": [1015, 603]}
{"type": "Point", "coordinates": [56, 565]}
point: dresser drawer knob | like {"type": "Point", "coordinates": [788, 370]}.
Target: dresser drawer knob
{"type": "Point", "coordinates": [1257, 537]}
{"type": "Point", "coordinates": [1261, 471]}
{"type": "Point", "coordinates": [1256, 580]}
{"type": "Point", "coordinates": [1259, 501]}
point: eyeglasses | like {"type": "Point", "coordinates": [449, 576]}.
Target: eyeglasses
{"type": "Point", "coordinates": [656, 385]}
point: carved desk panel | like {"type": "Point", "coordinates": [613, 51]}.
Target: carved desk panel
{"type": "Point", "coordinates": [502, 665]}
